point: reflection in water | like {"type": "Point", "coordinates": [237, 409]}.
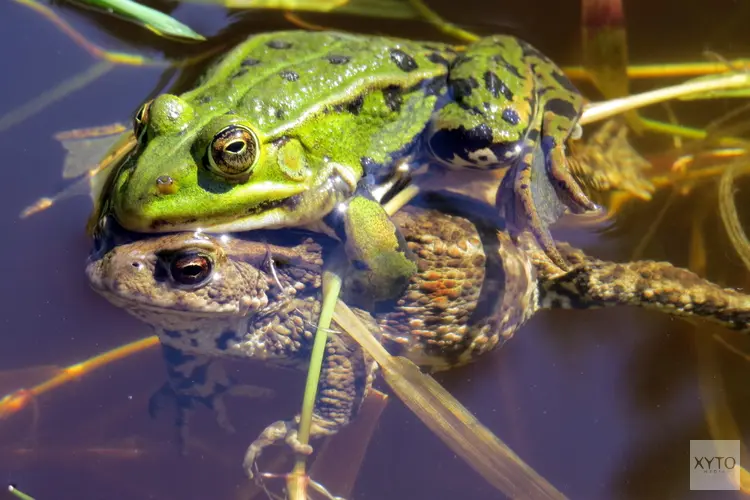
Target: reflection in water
{"type": "Point", "coordinates": [602, 404]}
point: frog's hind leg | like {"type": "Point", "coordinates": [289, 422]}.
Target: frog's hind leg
{"type": "Point", "coordinates": [498, 117]}
{"type": "Point", "coordinates": [562, 105]}
{"type": "Point", "coordinates": [655, 285]}
{"type": "Point", "coordinates": [527, 200]}
{"type": "Point", "coordinates": [345, 378]}
{"type": "Point", "coordinates": [196, 379]}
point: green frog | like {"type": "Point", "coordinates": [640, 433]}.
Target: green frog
{"type": "Point", "coordinates": [211, 297]}
{"type": "Point", "coordinates": [295, 128]}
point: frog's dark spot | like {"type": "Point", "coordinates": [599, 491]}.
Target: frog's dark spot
{"type": "Point", "coordinates": [393, 97]}
{"type": "Point", "coordinates": [564, 82]}
{"type": "Point", "coordinates": [369, 165]}
{"type": "Point", "coordinates": [434, 86]}
{"type": "Point", "coordinates": [239, 73]}
{"type": "Point", "coordinates": [249, 62]}
{"type": "Point", "coordinates": [511, 116]}
{"type": "Point", "coordinates": [507, 66]}
{"type": "Point", "coordinates": [194, 343]}
{"type": "Point", "coordinates": [437, 58]}
{"type": "Point", "coordinates": [462, 59]}
{"type": "Point", "coordinates": [462, 87]}
{"type": "Point", "coordinates": [338, 59]}
{"type": "Point", "coordinates": [355, 106]}
{"type": "Point", "coordinates": [483, 158]}
{"type": "Point", "coordinates": [524, 186]}
{"type": "Point", "coordinates": [561, 107]}
{"type": "Point", "coordinates": [496, 86]}
{"type": "Point", "coordinates": [222, 343]}
{"type": "Point", "coordinates": [278, 44]}
{"type": "Point", "coordinates": [205, 99]}
{"type": "Point", "coordinates": [175, 357]}
{"type": "Point", "coordinates": [280, 114]}
{"type": "Point", "coordinates": [403, 60]}
{"type": "Point", "coordinates": [288, 75]}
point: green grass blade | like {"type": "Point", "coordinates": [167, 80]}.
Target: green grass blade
{"type": "Point", "coordinates": [158, 22]}
{"type": "Point", "coordinates": [18, 494]}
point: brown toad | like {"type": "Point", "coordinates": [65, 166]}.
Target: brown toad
{"type": "Point", "coordinates": [209, 297]}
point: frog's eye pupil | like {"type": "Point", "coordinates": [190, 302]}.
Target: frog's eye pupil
{"type": "Point", "coordinates": [233, 152]}
{"type": "Point", "coordinates": [190, 268]}
{"type": "Point", "coordinates": [236, 147]}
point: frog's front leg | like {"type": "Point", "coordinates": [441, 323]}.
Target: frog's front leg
{"type": "Point", "coordinates": [345, 378]}
{"type": "Point", "coordinates": [196, 379]}
{"type": "Point", "coordinates": [382, 264]}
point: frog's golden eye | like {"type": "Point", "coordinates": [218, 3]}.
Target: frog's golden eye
{"type": "Point", "coordinates": [233, 152]}
{"type": "Point", "coordinates": [190, 268]}
{"type": "Point", "coordinates": [140, 120]}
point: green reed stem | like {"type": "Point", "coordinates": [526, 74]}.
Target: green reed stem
{"type": "Point", "coordinates": [19, 494]}
{"type": "Point", "coordinates": [331, 289]}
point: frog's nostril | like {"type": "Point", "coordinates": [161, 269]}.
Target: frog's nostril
{"type": "Point", "coordinates": [136, 264]}
{"type": "Point", "coordinates": [165, 184]}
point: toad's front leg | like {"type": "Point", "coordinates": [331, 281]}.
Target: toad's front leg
{"type": "Point", "coordinates": [345, 378]}
{"type": "Point", "coordinates": [197, 379]}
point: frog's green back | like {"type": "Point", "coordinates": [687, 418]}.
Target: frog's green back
{"type": "Point", "coordinates": [276, 80]}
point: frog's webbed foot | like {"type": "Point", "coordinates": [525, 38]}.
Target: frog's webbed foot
{"type": "Point", "coordinates": [528, 200]}
{"type": "Point", "coordinates": [283, 430]}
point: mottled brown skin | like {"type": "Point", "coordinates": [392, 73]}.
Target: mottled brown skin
{"type": "Point", "coordinates": [474, 288]}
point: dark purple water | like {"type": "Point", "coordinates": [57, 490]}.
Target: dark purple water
{"type": "Point", "coordinates": [601, 403]}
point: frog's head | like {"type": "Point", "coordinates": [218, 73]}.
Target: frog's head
{"type": "Point", "coordinates": [194, 168]}
{"type": "Point", "coordinates": [191, 280]}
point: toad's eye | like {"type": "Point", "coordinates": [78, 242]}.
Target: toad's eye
{"type": "Point", "coordinates": [140, 120]}
{"type": "Point", "coordinates": [233, 152]}
{"type": "Point", "coordinates": [190, 268]}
